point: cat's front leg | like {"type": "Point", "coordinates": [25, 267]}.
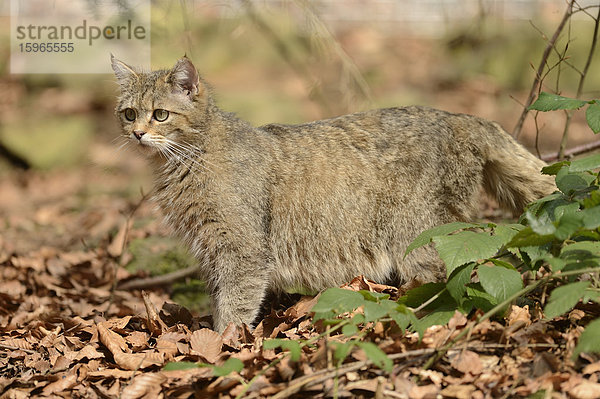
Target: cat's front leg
{"type": "Point", "coordinates": [239, 289]}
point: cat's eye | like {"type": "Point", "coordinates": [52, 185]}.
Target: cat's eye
{"type": "Point", "coordinates": [130, 114]}
{"type": "Point", "coordinates": [161, 114]}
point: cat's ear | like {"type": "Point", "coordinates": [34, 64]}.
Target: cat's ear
{"type": "Point", "coordinates": [184, 77]}
{"type": "Point", "coordinates": [123, 72]}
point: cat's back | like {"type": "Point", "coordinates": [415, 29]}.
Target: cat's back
{"type": "Point", "coordinates": [375, 129]}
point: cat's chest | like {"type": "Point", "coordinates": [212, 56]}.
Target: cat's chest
{"type": "Point", "coordinates": [184, 198]}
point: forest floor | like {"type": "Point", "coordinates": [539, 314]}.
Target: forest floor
{"type": "Point", "coordinates": [67, 330]}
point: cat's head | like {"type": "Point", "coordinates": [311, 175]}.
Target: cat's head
{"type": "Point", "coordinates": [164, 111]}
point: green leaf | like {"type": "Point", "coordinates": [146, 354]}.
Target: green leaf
{"type": "Point", "coordinates": [374, 311]}
{"type": "Point", "coordinates": [338, 300]}
{"type": "Point", "coordinates": [458, 280]}
{"type": "Point", "coordinates": [500, 282]}
{"type": "Point", "coordinates": [585, 164]}
{"type": "Point", "coordinates": [507, 231]}
{"type": "Point", "coordinates": [401, 315]}
{"type": "Point", "coordinates": [592, 115]}
{"type": "Point", "coordinates": [288, 344]}
{"type": "Point", "coordinates": [529, 238]}
{"type": "Point", "coordinates": [172, 366]}
{"type": "Point", "coordinates": [552, 102]}
{"type": "Point", "coordinates": [563, 209]}
{"type": "Point", "coordinates": [588, 340]}
{"type": "Point", "coordinates": [556, 263]}
{"type": "Point", "coordinates": [425, 237]}
{"type": "Point", "coordinates": [541, 225]}
{"type": "Point", "coordinates": [568, 182]}
{"type": "Point", "coordinates": [464, 247]}
{"type": "Point", "coordinates": [342, 350]}
{"type": "Point", "coordinates": [349, 330]}
{"type": "Point", "coordinates": [358, 318]}
{"type": "Point", "coordinates": [232, 364]}
{"type": "Point", "coordinates": [440, 316]}
{"type": "Point", "coordinates": [480, 298]}
{"type": "Point", "coordinates": [376, 355]}
{"type": "Point", "coordinates": [553, 169]}
{"type": "Point", "coordinates": [373, 296]}
{"type": "Point", "coordinates": [591, 218]}
{"type": "Point", "coordinates": [567, 226]}
{"type": "Point", "coordinates": [592, 247]}
{"type": "Point", "coordinates": [421, 294]}
{"type": "Point", "coordinates": [563, 299]}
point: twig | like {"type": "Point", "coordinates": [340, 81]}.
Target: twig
{"type": "Point", "coordinates": [123, 246]}
{"type": "Point", "coordinates": [563, 141]}
{"type": "Point", "coordinates": [16, 348]}
{"type": "Point", "coordinates": [540, 70]}
{"type": "Point", "coordinates": [165, 279]}
{"type": "Point", "coordinates": [580, 149]}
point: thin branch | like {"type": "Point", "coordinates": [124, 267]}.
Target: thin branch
{"type": "Point", "coordinates": [578, 150]}
{"type": "Point", "coordinates": [164, 279]}
{"type": "Point", "coordinates": [563, 141]}
{"type": "Point", "coordinates": [537, 81]}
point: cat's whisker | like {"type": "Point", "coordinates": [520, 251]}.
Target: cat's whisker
{"type": "Point", "coordinates": [195, 150]}
{"type": "Point", "coordinates": [177, 157]}
{"type": "Point", "coordinates": [179, 154]}
{"type": "Point", "coordinates": [185, 153]}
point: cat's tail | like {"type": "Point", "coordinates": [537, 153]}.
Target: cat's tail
{"type": "Point", "coordinates": [512, 174]}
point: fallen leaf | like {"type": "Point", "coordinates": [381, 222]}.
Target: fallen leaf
{"type": "Point", "coordinates": [423, 392]}
{"type": "Point", "coordinates": [113, 341]}
{"type": "Point", "coordinates": [143, 385]}
{"type": "Point", "coordinates": [206, 343]}
{"type": "Point", "coordinates": [458, 391]}
{"type": "Point", "coordinates": [586, 390]}
{"type": "Point", "coordinates": [467, 362]}
{"type": "Point", "coordinates": [136, 361]}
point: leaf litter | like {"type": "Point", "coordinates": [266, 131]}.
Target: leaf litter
{"type": "Point", "coordinates": [65, 331]}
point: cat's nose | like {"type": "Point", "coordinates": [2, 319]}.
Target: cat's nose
{"type": "Point", "coordinates": [138, 134]}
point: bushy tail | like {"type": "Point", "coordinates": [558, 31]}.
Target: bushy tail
{"type": "Point", "coordinates": [512, 174]}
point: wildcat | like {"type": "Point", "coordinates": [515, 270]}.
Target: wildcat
{"type": "Point", "coordinates": [312, 205]}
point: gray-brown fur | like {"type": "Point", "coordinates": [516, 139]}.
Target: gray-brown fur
{"type": "Point", "coordinates": [316, 204]}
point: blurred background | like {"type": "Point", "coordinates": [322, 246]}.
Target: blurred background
{"type": "Point", "coordinates": [64, 183]}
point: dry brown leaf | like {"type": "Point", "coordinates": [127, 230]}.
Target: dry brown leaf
{"type": "Point", "coordinates": [167, 346]}
{"type": "Point", "coordinates": [467, 362]}
{"type": "Point", "coordinates": [592, 368]}
{"type": "Point", "coordinates": [519, 314]}
{"type": "Point", "coordinates": [135, 361]}
{"type": "Point", "coordinates": [63, 383]}
{"type": "Point", "coordinates": [115, 249]}
{"type": "Point", "coordinates": [423, 392]}
{"type": "Point", "coordinates": [143, 385]}
{"type": "Point", "coordinates": [434, 376]}
{"type": "Point", "coordinates": [17, 343]}
{"type": "Point", "coordinates": [231, 336]}
{"type": "Point", "coordinates": [113, 341]}
{"type": "Point", "coordinates": [13, 288]}
{"type": "Point", "coordinates": [117, 323]}
{"type": "Point", "coordinates": [153, 320]}
{"type": "Point", "coordinates": [206, 343]}
{"type": "Point", "coordinates": [137, 339]}
{"type": "Point", "coordinates": [586, 390]}
{"type": "Point", "coordinates": [458, 391]}
{"type": "Point", "coordinates": [457, 320]}
{"type": "Point", "coordinates": [88, 352]}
